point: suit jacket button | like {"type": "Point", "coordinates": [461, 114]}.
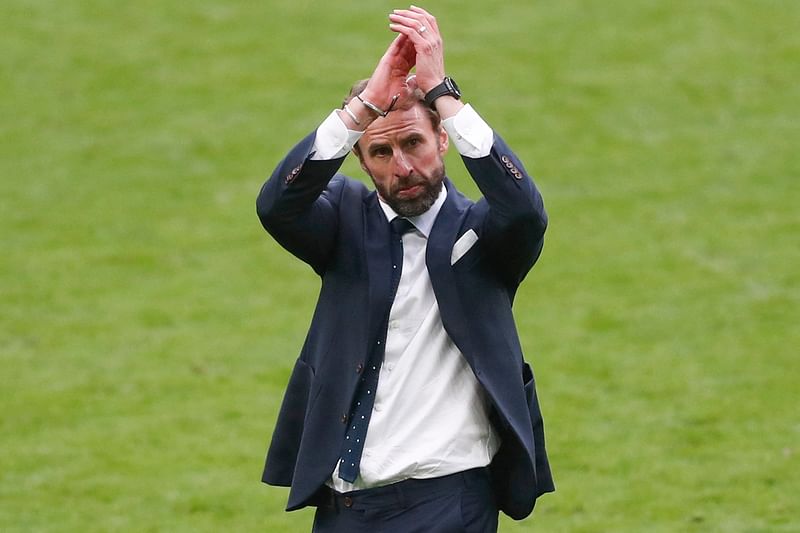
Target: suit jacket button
{"type": "Point", "coordinates": [293, 174]}
{"type": "Point", "coordinates": [359, 368]}
{"type": "Point", "coordinates": [504, 159]}
{"type": "Point", "coordinates": [348, 501]}
{"type": "Point", "coordinates": [344, 419]}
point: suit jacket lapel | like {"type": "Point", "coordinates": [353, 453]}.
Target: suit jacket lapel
{"type": "Point", "coordinates": [379, 264]}
{"type": "Point", "coordinates": [437, 257]}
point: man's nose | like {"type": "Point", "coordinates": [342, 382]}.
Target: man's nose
{"type": "Point", "coordinates": [402, 165]}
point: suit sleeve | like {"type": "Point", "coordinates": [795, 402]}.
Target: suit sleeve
{"type": "Point", "coordinates": [515, 225]}
{"type": "Point", "coordinates": [298, 204]}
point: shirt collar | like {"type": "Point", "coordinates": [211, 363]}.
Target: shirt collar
{"type": "Point", "coordinates": [423, 222]}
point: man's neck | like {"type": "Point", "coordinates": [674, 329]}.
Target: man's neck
{"type": "Point", "coordinates": [423, 222]}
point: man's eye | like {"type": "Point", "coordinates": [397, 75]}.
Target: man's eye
{"type": "Point", "coordinates": [382, 152]}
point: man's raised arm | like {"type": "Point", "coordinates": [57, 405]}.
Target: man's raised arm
{"type": "Point", "coordinates": [517, 219]}
{"type": "Point", "coordinates": [298, 205]}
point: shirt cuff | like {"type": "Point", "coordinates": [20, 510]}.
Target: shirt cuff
{"type": "Point", "coordinates": [470, 134]}
{"type": "Point", "coordinates": [333, 139]}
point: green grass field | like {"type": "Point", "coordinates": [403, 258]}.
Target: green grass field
{"type": "Point", "coordinates": [148, 324]}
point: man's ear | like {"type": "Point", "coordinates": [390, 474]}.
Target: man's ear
{"type": "Point", "coordinates": [357, 151]}
{"type": "Point", "coordinates": [444, 141]}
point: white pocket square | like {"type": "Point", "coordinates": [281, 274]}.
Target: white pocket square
{"type": "Point", "coordinates": [463, 245]}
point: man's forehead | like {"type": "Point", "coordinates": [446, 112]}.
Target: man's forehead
{"type": "Point", "coordinates": [400, 122]}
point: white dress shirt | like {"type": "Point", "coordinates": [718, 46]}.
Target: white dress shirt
{"type": "Point", "coordinates": [431, 416]}
{"type": "Point", "coordinates": [470, 134]}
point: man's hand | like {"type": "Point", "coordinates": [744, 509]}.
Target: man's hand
{"type": "Point", "coordinates": [421, 29]}
{"type": "Point", "coordinates": [419, 44]}
{"type": "Point", "coordinates": [389, 78]}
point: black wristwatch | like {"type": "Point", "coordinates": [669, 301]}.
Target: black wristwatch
{"type": "Point", "coordinates": [448, 86]}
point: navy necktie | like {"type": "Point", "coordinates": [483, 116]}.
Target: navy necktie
{"type": "Point", "coordinates": [364, 400]}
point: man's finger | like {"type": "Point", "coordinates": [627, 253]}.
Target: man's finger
{"type": "Point", "coordinates": [411, 31]}
{"type": "Point", "coordinates": [400, 54]}
{"type": "Point", "coordinates": [420, 15]}
{"type": "Point", "coordinates": [411, 22]}
{"type": "Point", "coordinates": [408, 51]}
{"type": "Point", "coordinates": [396, 45]}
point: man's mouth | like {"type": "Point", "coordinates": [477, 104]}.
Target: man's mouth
{"type": "Point", "coordinates": [410, 191]}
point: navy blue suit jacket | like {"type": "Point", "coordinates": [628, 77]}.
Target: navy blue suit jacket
{"type": "Point", "coordinates": [336, 225]}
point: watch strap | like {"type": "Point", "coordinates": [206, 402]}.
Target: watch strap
{"type": "Point", "coordinates": [448, 86]}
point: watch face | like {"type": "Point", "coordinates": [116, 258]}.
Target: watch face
{"type": "Point", "coordinates": [450, 83]}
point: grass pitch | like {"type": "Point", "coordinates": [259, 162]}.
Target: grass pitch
{"type": "Point", "coordinates": [148, 325]}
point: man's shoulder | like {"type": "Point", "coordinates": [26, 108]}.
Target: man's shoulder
{"type": "Point", "coordinates": [459, 199]}
{"type": "Point", "coordinates": [348, 186]}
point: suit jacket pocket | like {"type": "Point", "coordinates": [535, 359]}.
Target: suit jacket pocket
{"type": "Point", "coordinates": [288, 433]}
{"type": "Point", "coordinates": [463, 245]}
{"type": "Point", "coordinates": [530, 394]}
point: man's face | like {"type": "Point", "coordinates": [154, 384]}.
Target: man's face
{"type": "Point", "coordinates": [403, 155]}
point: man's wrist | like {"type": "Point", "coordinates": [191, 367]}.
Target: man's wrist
{"type": "Point", "coordinates": [334, 138]}
{"type": "Point", "coordinates": [444, 97]}
{"type": "Point", "coordinates": [358, 117]}
{"type": "Point", "coordinates": [469, 133]}
{"type": "Point", "coordinates": [447, 86]}
{"type": "Point", "coordinates": [380, 102]}
{"type": "Point", "coordinates": [380, 111]}
{"type": "Point", "coordinates": [447, 106]}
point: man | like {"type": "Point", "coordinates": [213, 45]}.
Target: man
{"type": "Point", "coordinates": [410, 407]}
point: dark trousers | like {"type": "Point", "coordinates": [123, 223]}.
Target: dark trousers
{"type": "Point", "coordinates": [458, 503]}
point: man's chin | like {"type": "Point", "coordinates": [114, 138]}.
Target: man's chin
{"type": "Point", "coordinates": [415, 200]}
{"type": "Point", "coordinates": [412, 207]}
